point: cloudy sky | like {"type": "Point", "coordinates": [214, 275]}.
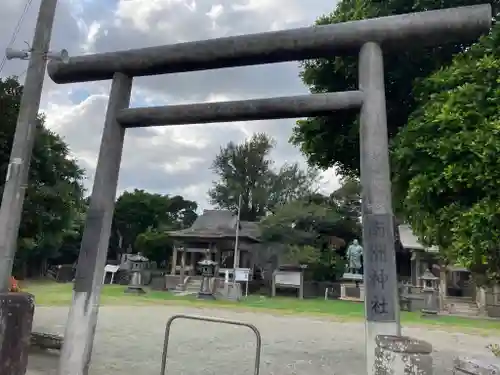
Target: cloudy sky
{"type": "Point", "coordinates": [173, 160]}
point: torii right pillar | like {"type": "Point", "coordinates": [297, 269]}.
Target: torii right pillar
{"type": "Point", "coordinates": [381, 293]}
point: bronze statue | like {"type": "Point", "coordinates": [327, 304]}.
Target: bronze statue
{"type": "Point", "coordinates": [354, 252]}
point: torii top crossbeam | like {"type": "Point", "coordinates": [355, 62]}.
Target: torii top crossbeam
{"type": "Point", "coordinates": [424, 28]}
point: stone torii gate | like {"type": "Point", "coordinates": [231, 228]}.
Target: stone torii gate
{"type": "Point", "coordinates": [366, 37]}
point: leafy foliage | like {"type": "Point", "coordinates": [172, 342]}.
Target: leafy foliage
{"type": "Point", "coordinates": [54, 195]}
{"type": "Point", "coordinates": [307, 227]}
{"type": "Point", "coordinates": [305, 254]}
{"type": "Point", "coordinates": [348, 198]}
{"type": "Point", "coordinates": [140, 212]}
{"type": "Point", "coordinates": [495, 349]}
{"type": "Point", "coordinates": [334, 141]}
{"type": "Point", "coordinates": [448, 159]}
{"type": "Point", "coordinates": [155, 245]}
{"type": "Point", "coordinates": [246, 169]}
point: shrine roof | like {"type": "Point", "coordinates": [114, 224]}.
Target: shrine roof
{"type": "Point", "coordinates": [218, 225]}
{"type": "Point", "coordinates": [410, 241]}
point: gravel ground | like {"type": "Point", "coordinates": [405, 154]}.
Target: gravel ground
{"type": "Point", "coordinates": [129, 342]}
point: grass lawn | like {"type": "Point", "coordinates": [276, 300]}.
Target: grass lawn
{"type": "Point", "coordinates": [55, 294]}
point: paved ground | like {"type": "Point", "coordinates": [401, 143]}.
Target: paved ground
{"type": "Point", "coordinates": [129, 342]}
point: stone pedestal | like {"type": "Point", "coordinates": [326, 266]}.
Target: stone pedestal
{"type": "Point", "coordinates": [349, 291]}
{"type": "Point", "coordinates": [400, 355]}
{"type": "Point", "coordinates": [475, 366]}
{"type": "Point", "coordinates": [16, 319]}
{"type": "Point", "coordinates": [135, 285]}
{"type": "Point", "coordinates": [431, 301]}
{"type": "Point", "coordinates": [231, 291]}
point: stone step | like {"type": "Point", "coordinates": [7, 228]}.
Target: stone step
{"type": "Point", "coordinates": [463, 309]}
{"type": "Point", "coordinates": [193, 285]}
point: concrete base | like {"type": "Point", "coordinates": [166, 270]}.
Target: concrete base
{"type": "Point", "coordinates": [138, 290]}
{"type": "Point", "coordinates": [350, 286]}
{"type": "Point", "coordinates": [429, 313]}
{"type": "Point", "coordinates": [400, 355]}
{"type": "Point", "coordinates": [231, 292]}
{"type": "Point", "coordinates": [206, 296]}
{"type": "Point", "coordinates": [16, 319]}
{"type": "Point", "coordinates": [352, 276]}
{"type": "Point", "coordinates": [431, 300]}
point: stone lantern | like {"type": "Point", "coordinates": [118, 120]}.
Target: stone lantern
{"type": "Point", "coordinates": [137, 264]}
{"type": "Point", "coordinates": [207, 268]}
{"type": "Point", "coordinates": [430, 292]}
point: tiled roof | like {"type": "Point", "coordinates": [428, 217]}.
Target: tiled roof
{"type": "Point", "coordinates": [410, 241]}
{"type": "Point", "coordinates": [219, 224]}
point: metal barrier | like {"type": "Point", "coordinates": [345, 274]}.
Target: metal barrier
{"type": "Point", "coordinates": [213, 320]}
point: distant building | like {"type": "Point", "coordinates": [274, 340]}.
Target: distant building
{"type": "Point", "coordinates": [214, 232]}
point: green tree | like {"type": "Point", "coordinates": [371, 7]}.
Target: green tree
{"type": "Point", "coordinates": [139, 211]}
{"type": "Point", "coordinates": [307, 227]}
{"type": "Point", "coordinates": [155, 245]}
{"type": "Point", "coordinates": [334, 141]}
{"type": "Point", "coordinates": [54, 196]}
{"type": "Point", "coordinates": [448, 159]}
{"type": "Point", "coordinates": [348, 198]}
{"type": "Point", "coordinates": [247, 169]}
{"type": "Point", "coordinates": [306, 254]}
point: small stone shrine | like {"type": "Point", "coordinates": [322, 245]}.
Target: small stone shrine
{"type": "Point", "coordinates": [352, 287]}
{"type": "Point", "coordinates": [137, 264]}
{"type": "Point", "coordinates": [431, 293]}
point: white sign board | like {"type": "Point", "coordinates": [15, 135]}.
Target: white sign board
{"type": "Point", "coordinates": [111, 268]}
{"type": "Point", "coordinates": [242, 274]}
{"type": "Point", "coordinates": [291, 278]}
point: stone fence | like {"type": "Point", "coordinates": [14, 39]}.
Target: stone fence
{"type": "Point", "coordinates": [488, 300]}
{"type": "Point", "coordinates": [400, 355]}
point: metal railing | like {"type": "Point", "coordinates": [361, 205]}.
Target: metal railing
{"type": "Point", "coordinates": [258, 345]}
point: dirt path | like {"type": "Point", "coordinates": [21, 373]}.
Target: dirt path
{"type": "Point", "coordinates": [129, 342]}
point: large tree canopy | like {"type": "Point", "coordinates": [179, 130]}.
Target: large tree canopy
{"type": "Point", "coordinates": [308, 228]}
{"type": "Point", "coordinates": [247, 169]}
{"type": "Point", "coordinates": [348, 198]}
{"type": "Point", "coordinates": [334, 141]}
{"type": "Point", "coordinates": [448, 159]}
{"type": "Point", "coordinates": [140, 212]}
{"type": "Point", "coordinates": [54, 197]}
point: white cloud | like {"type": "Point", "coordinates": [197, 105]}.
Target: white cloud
{"type": "Point", "coordinates": [173, 160]}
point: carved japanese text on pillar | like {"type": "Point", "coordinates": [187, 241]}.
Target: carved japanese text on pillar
{"type": "Point", "coordinates": [379, 265]}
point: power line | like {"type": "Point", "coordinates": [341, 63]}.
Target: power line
{"type": "Point", "coordinates": [20, 75]}
{"type": "Point", "coordinates": [16, 31]}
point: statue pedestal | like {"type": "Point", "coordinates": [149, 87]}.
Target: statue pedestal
{"type": "Point", "coordinates": [352, 276]}
{"type": "Point", "coordinates": [352, 287]}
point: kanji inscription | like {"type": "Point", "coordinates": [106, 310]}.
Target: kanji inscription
{"type": "Point", "coordinates": [380, 267]}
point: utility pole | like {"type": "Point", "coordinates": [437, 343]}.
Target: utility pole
{"type": "Point", "coordinates": [17, 173]}
{"type": "Point", "coordinates": [236, 259]}
{"type": "Point", "coordinates": [16, 309]}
